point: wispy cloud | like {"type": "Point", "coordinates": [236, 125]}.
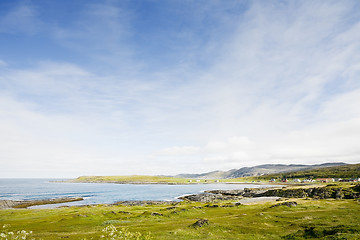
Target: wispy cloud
{"type": "Point", "coordinates": [279, 84]}
{"type": "Point", "coordinates": [290, 68]}
{"type": "Point", "coordinates": [21, 19]}
{"type": "Point", "coordinates": [102, 32]}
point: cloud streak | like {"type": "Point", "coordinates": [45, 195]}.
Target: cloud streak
{"type": "Point", "coordinates": [278, 85]}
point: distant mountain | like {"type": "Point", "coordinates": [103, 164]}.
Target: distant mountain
{"type": "Point", "coordinates": [208, 175]}
{"type": "Point", "coordinates": [257, 170]}
{"type": "Point", "coordinates": [341, 171]}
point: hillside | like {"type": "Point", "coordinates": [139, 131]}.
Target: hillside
{"type": "Point", "coordinates": [256, 171]}
{"type": "Point", "coordinates": [208, 175]}
{"type": "Point", "coordinates": [343, 171]}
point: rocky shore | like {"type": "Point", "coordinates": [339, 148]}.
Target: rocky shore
{"type": "Point", "coordinates": [311, 192]}
{"type": "Point", "coordinates": [213, 196]}
{"type": "Point", "coordinates": [25, 204]}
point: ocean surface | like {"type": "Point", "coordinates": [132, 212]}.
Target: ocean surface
{"type": "Point", "coordinates": [96, 193]}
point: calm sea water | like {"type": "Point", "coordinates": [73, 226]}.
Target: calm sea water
{"type": "Point", "coordinates": [96, 193]}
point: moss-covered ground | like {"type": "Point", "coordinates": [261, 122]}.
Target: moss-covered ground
{"type": "Point", "coordinates": [310, 219]}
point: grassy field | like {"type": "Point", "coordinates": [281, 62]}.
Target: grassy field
{"type": "Point", "coordinates": [141, 179]}
{"type": "Point", "coordinates": [137, 179]}
{"type": "Point", "coordinates": [317, 219]}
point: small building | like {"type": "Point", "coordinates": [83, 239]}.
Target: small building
{"type": "Point", "coordinates": [325, 180]}
{"type": "Point", "coordinates": [272, 180]}
{"type": "Point", "coordinates": [350, 180]}
{"type": "Point", "coordinates": [297, 180]}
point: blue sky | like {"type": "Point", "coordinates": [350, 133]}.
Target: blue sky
{"type": "Point", "coordinates": [167, 87]}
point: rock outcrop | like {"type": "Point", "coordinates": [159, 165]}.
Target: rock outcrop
{"type": "Point", "coordinates": [315, 192]}
{"type": "Point", "coordinates": [200, 223]}
{"type": "Point", "coordinates": [8, 203]}
{"type": "Point", "coordinates": [209, 197]}
{"type": "Point", "coordinates": [288, 204]}
{"type": "Point", "coordinates": [28, 203]}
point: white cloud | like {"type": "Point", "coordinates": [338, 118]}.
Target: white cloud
{"type": "Point", "coordinates": [281, 88]}
{"type": "Point", "coordinates": [331, 142]}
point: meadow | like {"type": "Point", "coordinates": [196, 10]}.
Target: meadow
{"type": "Point", "coordinates": [310, 219]}
{"type": "Point", "coordinates": [136, 179]}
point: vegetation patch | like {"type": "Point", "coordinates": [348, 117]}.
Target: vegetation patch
{"type": "Point", "coordinates": [257, 221]}
{"type": "Point", "coordinates": [320, 232]}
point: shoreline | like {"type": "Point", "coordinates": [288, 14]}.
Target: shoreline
{"type": "Point", "coordinates": [56, 202]}
{"type": "Point", "coordinates": [241, 196]}
{"type": "Point", "coordinates": [5, 204]}
{"type": "Point", "coordinates": [177, 183]}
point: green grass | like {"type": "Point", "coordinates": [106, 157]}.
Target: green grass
{"type": "Point", "coordinates": [344, 171]}
{"type": "Point", "coordinates": [139, 179]}
{"type": "Point", "coordinates": [321, 219]}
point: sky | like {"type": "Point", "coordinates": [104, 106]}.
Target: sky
{"type": "Point", "coordinates": [150, 87]}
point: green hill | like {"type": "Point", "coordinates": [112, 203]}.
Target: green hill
{"type": "Point", "coordinates": [344, 171]}
{"type": "Point", "coordinates": [133, 179]}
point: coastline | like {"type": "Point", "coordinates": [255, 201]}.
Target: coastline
{"type": "Point", "coordinates": [4, 204]}
{"type": "Point", "coordinates": [211, 181]}
{"type": "Point", "coordinates": [42, 203]}
{"type": "Point", "coordinates": [316, 207]}
{"type": "Point", "coordinates": [209, 195]}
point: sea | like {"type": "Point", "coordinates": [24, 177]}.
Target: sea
{"type": "Point", "coordinates": [102, 193]}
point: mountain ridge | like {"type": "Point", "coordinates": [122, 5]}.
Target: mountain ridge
{"type": "Point", "coordinates": [257, 170]}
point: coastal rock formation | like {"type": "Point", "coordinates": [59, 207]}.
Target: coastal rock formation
{"type": "Point", "coordinates": [28, 203]}
{"type": "Point", "coordinates": [315, 192]}
{"type": "Point", "coordinates": [8, 203]}
{"type": "Point", "coordinates": [209, 197]}
{"type": "Point", "coordinates": [247, 192]}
